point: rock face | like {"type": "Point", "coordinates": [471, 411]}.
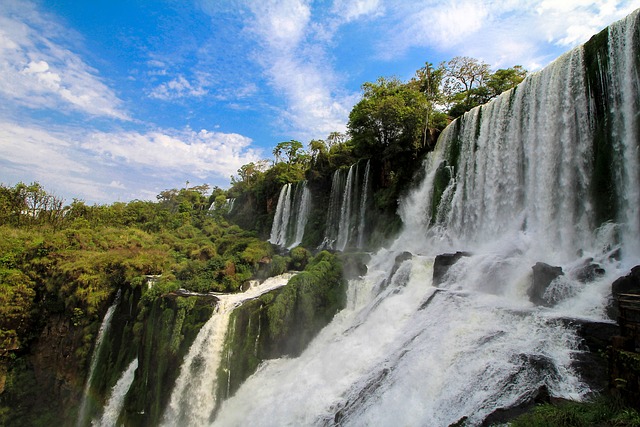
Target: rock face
{"type": "Point", "coordinates": [442, 264]}
{"type": "Point", "coordinates": [627, 284]}
{"type": "Point", "coordinates": [543, 275]}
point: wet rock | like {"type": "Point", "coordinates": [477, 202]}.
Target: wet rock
{"type": "Point", "coordinates": [442, 264]}
{"type": "Point", "coordinates": [543, 275]}
{"type": "Point", "coordinates": [590, 363]}
{"type": "Point", "coordinates": [629, 284]}
{"type": "Point", "coordinates": [588, 272]}
{"type": "Point", "coordinates": [504, 415]}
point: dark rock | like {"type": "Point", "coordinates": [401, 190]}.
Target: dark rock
{"type": "Point", "coordinates": [543, 275]}
{"type": "Point", "coordinates": [588, 272]}
{"type": "Point", "coordinates": [442, 264]}
{"type": "Point", "coordinates": [590, 363]}
{"type": "Point", "coordinates": [404, 256]}
{"type": "Point", "coordinates": [627, 284]}
{"type": "Point", "coordinates": [504, 415]}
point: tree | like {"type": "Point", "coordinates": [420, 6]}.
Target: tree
{"type": "Point", "coordinates": [388, 119]}
{"type": "Point", "coordinates": [462, 76]}
{"type": "Point", "coordinates": [504, 79]}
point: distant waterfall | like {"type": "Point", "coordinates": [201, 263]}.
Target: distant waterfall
{"type": "Point", "coordinates": [193, 399]}
{"type": "Point", "coordinates": [104, 329]}
{"type": "Point", "coordinates": [291, 216]}
{"type": "Point", "coordinates": [547, 172]}
{"type": "Point", "coordinates": [348, 205]}
{"type": "Point", "coordinates": [116, 399]}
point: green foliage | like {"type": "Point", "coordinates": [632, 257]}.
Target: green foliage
{"type": "Point", "coordinates": [601, 412]}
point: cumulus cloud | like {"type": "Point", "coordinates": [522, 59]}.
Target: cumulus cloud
{"type": "Point", "coordinates": [203, 154]}
{"type": "Point", "coordinates": [39, 71]}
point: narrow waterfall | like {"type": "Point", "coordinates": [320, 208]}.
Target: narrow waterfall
{"type": "Point", "coordinates": [514, 182]}
{"type": "Point", "coordinates": [334, 210]}
{"type": "Point", "coordinates": [302, 206]}
{"type": "Point", "coordinates": [281, 217]}
{"type": "Point", "coordinates": [116, 399]}
{"type": "Point", "coordinates": [348, 205]}
{"type": "Point", "coordinates": [292, 213]}
{"type": "Point", "coordinates": [364, 205]}
{"type": "Point", "coordinates": [193, 399]}
{"type": "Point", "coordinates": [83, 412]}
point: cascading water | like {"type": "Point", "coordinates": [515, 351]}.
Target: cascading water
{"type": "Point", "coordinates": [513, 183]}
{"type": "Point", "coordinates": [292, 213]}
{"type": "Point", "coordinates": [348, 205]}
{"type": "Point", "coordinates": [281, 217]}
{"type": "Point", "coordinates": [193, 399]}
{"type": "Point", "coordinates": [116, 399]}
{"type": "Point", "coordinates": [104, 328]}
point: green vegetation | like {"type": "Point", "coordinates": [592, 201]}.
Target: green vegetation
{"type": "Point", "coordinates": [601, 412]}
{"type": "Point", "coordinates": [281, 322]}
{"type": "Point", "coordinates": [61, 267]}
{"type": "Point", "coordinates": [393, 125]}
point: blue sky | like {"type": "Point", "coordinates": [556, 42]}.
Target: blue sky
{"type": "Point", "coordinates": [111, 100]}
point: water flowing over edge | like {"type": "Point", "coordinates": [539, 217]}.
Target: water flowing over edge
{"type": "Point", "coordinates": [194, 395]}
{"type": "Point", "coordinates": [104, 328]}
{"type": "Point", "coordinates": [511, 182]}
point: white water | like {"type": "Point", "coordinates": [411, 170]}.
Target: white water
{"type": "Point", "coordinates": [281, 217]}
{"type": "Point", "coordinates": [104, 328]}
{"type": "Point", "coordinates": [116, 399]}
{"type": "Point", "coordinates": [302, 206]}
{"type": "Point", "coordinates": [364, 199]}
{"type": "Point", "coordinates": [194, 395]}
{"type": "Point", "coordinates": [347, 210]}
{"type": "Point", "coordinates": [344, 227]}
{"type": "Point", "coordinates": [292, 213]}
{"type": "Point", "coordinates": [406, 353]}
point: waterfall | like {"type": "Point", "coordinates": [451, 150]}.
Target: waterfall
{"type": "Point", "coordinates": [193, 398]}
{"type": "Point", "coordinates": [334, 210]}
{"type": "Point", "coordinates": [281, 217]}
{"type": "Point", "coordinates": [344, 226]}
{"type": "Point", "coordinates": [513, 182]}
{"type": "Point", "coordinates": [364, 200]}
{"type": "Point", "coordinates": [348, 204]}
{"type": "Point", "coordinates": [104, 328]}
{"type": "Point", "coordinates": [116, 399]}
{"type": "Point", "coordinates": [292, 213]}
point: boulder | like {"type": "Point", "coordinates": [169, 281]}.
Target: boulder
{"type": "Point", "coordinates": [543, 275]}
{"type": "Point", "coordinates": [588, 272]}
{"type": "Point", "coordinates": [629, 284]}
{"type": "Point", "coordinates": [442, 264]}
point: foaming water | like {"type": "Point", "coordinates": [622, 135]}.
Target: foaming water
{"type": "Point", "coordinates": [514, 187]}
{"type": "Point", "coordinates": [193, 399]}
{"type": "Point", "coordinates": [83, 413]}
{"type": "Point", "coordinates": [116, 399]}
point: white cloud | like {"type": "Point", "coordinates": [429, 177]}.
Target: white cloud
{"type": "Point", "coordinates": [37, 148]}
{"type": "Point", "coordinates": [349, 10]}
{"type": "Point", "coordinates": [293, 54]}
{"type": "Point", "coordinates": [500, 33]}
{"type": "Point", "coordinates": [178, 88]}
{"type": "Point", "coordinates": [39, 71]}
{"type": "Point", "coordinates": [203, 154]}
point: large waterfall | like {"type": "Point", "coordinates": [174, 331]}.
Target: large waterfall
{"type": "Point", "coordinates": [548, 172]}
{"type": "Point", "coordinates": [348, 205]}
{"type": "Point", "coordinates": [292, 213]}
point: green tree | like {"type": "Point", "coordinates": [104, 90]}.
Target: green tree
{"type": "Point", "coordinates": [389, 118]}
